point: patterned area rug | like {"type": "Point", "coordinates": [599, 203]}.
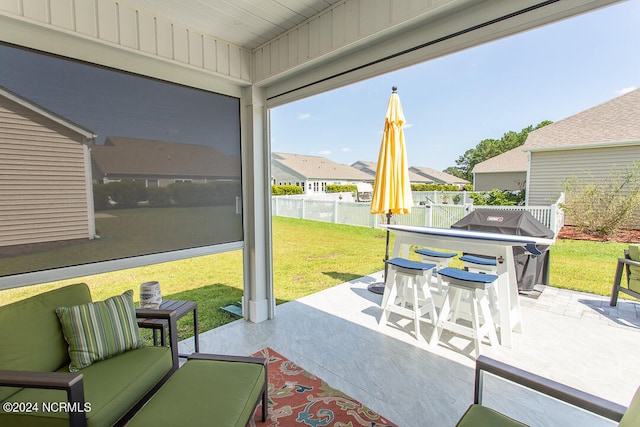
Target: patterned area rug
{"type": "Point", "coordinates": [298, 398]}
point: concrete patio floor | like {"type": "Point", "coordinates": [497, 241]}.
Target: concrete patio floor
{"type": "Point", "coordinates": [571, 337]}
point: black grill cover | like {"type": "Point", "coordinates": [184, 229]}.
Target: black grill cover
{"type": "Point", "coordinates": [530, 270]}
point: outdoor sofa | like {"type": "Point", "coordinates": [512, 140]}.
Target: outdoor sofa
{"type": "Point", "coordinates": [36, 385]}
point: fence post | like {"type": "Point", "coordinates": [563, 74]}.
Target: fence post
{"type": "Point", "coordinates": [428, 215]}
{"type": "Point", "coordinates": [303, 210]}
{"type": "Point", "coordinates": [556, 218]}
{"type": "Point", "coordinates": [335, 211]}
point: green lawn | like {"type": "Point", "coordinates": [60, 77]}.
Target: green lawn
{"type": "Point", "coordinates": [310, 256]}
{"type": "Point", "coordinates": [132, 232]}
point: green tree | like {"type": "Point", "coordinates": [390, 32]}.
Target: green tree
{"type": "Point", "coordinates": [488, 148]}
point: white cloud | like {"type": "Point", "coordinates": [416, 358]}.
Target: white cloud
{"type": "Point", "coordinates": [324, 152]}
{"type": "Point", "coordinates": [626, 90]}
{"type": "Point", "coordinates": [407, 125]}
{"type": "Point", "coordinates": [303, 116]}
{"type": "Point", "coordinates": [346, 149]}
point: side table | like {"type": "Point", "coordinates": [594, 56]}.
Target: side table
{"type": "Point", "coordinates": [181, 308]}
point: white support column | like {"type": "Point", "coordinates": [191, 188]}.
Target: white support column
{"type": "Point", "coordinates": [259, 302]}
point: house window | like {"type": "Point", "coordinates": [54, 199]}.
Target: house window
{"type": "Point", "coordinates": [152, 183]}
{"type": "Point", "coordinates": [183, 180]}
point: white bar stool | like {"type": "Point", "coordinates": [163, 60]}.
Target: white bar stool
{"type": "Point", "coordinates": [440, 259]}
{"type": "Point", "coordinates": [477, 285]}
{"type": "Point", "coordinates": [403, 277]}
{"type": "Point", "coordinates": [479, 264]}
{"type": "Point", "coordinates": [483, 265]}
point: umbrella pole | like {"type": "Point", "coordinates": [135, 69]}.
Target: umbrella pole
{"type": "Point", "coordinates": [386, 251]}
{"type": "Point", "coordinates": [378, 287]}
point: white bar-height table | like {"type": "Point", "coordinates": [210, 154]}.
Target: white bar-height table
{"type": "Point", "coordinates": [495, 245]}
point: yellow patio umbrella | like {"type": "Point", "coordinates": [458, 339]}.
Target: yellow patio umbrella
{"type": "Point", "coordinates": [391, 189]}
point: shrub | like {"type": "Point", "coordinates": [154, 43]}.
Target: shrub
{"type": "Point", "coordinates": [125, 194]}
{"type": "Point", "coordinates": [339, 188]}
{"type": "Point", "coordinates": [190, 194]}
{"type": "Point", "coordinates": [434, 187]}
{"type": "Point", "coordinates": [285, 190]}
{"type": "Point", "coordinates": [160, 197]}
{"type": "Point", "coordinates": [100, 197]}
{"type": "Point", "coordinates": [227, 191]}
{"type": "Point", "coordinates": [602, 207]}
{"type": "Point", "coordinates": [497, 197]}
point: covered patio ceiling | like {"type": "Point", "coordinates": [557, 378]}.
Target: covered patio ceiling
{"type": "Point", "coordinates": [303, 47]}
{"type": "Point", "coordinates": [291, 48]}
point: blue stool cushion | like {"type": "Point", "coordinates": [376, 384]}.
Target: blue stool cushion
{"type": "Point", "coordinates": [411, 265]}
{"type": "Point", "coordinates": [467, 276]}
{"type": "Point", "coordinates": [478, 260]}
{"type": "Point", "coordinates": [435, 254]}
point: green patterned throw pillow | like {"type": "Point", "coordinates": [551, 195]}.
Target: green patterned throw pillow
{"type": "Point", "coordinates": [99, 330]}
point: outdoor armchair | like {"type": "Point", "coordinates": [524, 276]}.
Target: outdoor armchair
{"type": "Point", "coordinates": [631, 265]}
{"type": "Point", "coordinates": [478, 415]}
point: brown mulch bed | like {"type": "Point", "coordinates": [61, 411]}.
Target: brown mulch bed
{"type": "Point", "coordinates": [622, 236]}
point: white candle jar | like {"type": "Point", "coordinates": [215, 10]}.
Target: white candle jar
{"type": "Point", "coordinates": [150, 295]}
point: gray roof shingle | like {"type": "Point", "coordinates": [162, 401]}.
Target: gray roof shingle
{"type": "Point", "coordinates": [614, 121]}
{"type": "Point", "coordinates": [437, 176]}
{"type": "Point", "coordinates": [315, 167]}
{"type": "Point", "coordinates": [370, 168]}
{"type": "Point", "coordinates": [133, 156]}
{"type": "Point", "coordinates": [515, 160]}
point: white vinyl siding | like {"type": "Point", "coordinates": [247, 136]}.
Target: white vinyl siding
{"type": "Point", "coordinates": [550, 169]}
{"type": "Point", "coordinates": [513, 181]}
{"type": "Point", "coordinates": [342, 25]}
{"type": "Point", "coordinates": [117, 23]}
{"type": "Point", "coordinates": [43, 183]}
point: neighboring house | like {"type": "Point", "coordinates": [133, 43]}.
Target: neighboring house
{"type": "Point", "coordinates": [160, 163]}
{"type": "Point", "coordinates": [45, 175]}
{"type": "Point", "coordinates": [589, 146]}
{"type": "Point", "coordinates": [439, 177]}
{"type": "Point", "coordinates": [367, 167]}
{"type": "Point", "coordinates": [312, 173]}
{"type": "Point", "coordinates": [370, 168]}
{"type": "Point", "coordinates": [506, 171]}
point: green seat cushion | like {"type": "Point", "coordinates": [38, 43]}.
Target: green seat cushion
{"type": "Point", "coordinates": [99, 330]}
{"type": "Point", "coordinates": [217, 392]}
{"type": "Point", "coordinates": [481, 416]}
{"type": "Point", "coordinates": [631, 417]}
{"type": "Point", "coordinates": [112, 387]}
{"type": "Point", "coordinates": [34, 340]}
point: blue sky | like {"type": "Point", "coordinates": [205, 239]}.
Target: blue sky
{"type": "Point", "coordinates": [454, 102]}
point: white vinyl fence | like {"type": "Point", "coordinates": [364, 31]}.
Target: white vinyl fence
{"type": "Point", "coordinates": [428, 214]}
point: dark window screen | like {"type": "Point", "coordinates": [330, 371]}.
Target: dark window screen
{"type": "Point", "coordinates": [98, 165]}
